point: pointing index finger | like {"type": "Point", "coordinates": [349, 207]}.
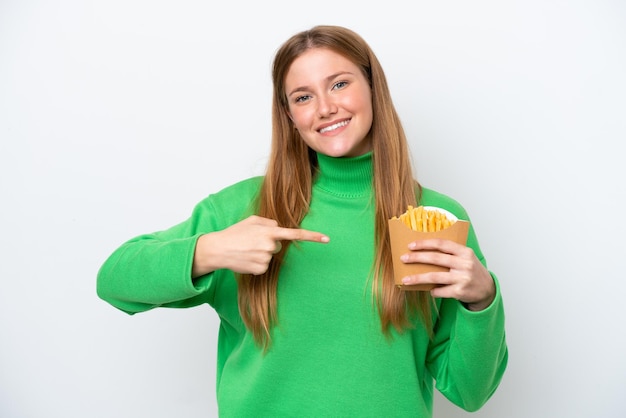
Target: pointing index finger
{"type": "Point", "coordinates": [296, 234]}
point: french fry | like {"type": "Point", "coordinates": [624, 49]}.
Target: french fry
{"type": "Point", "coordinates": [424, 220]}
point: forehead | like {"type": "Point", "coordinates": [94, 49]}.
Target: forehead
{"type": "Point", "coordinates": [317, 64]}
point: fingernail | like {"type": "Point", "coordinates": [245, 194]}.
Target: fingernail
{"type": "Point", "coordinates": [404, 257]}
{"type": "Point", "coordinates": [325, 239]}
{"type": "Point", "coordinates": [406, 280]}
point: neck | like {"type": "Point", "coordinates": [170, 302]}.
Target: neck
{"type": "Point", "coordinates": [345, 176]}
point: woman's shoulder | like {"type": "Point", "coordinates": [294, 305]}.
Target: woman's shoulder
{"type": "Point", "coordinates": [430, 197]}
{"type": "Point", "coordinates": [235, 194]}
{"type": "Point", "coordinates": [247, 186]}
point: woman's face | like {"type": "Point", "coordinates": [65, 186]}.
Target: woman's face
{"type": "Point", "coordinates": [330, 103]}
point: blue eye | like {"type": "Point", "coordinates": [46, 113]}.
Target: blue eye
{"type": "Point", "coordinates": [340, 84]}
{"type": "Point", "coordinates": [301, 99]}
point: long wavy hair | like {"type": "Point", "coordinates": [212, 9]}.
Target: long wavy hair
{"type": "Point", "coordinates": [286, 191]}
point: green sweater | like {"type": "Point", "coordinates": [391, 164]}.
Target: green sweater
{"type": "Point", "coordinates": [328, 357]}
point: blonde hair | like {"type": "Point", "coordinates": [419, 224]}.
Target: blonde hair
{"type": "Point", "coordinates": [286, 191]}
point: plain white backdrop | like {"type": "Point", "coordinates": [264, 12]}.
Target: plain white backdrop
{"type": "Point", "coordinates": [116, 117]}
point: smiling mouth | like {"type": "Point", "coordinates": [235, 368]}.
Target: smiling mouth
{"type": "Point", "coordinates": [334, 126]}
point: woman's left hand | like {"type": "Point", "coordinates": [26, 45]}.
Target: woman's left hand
{"type": "Point", "coordinates": [468, 280]}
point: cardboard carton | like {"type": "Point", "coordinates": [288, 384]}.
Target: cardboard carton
{"type": "Point", "coordinates": [401, 235]}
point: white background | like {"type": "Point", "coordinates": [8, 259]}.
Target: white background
{"type": "Point", "coordinates": [116, 117]}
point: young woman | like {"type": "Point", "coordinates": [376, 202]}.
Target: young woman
{"type": "Point", "coordinates": [297, 263]}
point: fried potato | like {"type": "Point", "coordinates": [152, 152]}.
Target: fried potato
{"type": "Point", "coordinates": [424, 219]}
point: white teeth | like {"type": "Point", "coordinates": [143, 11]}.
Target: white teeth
{"type": "Point", "coordinates": [333, 127]}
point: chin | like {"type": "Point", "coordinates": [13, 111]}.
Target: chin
{"type": "Point", "coordinates": [342, 152]}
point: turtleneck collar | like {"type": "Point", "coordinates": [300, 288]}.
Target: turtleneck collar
{"type": "Point", "coordinates": [345, 176]}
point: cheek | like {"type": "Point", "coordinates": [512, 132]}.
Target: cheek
{"type": "Point", "coordinates": [365, 101]}
{"type": "Point", "coordinates": [299, 118]}
{"type": "Point", "coordinates": [361, 102]}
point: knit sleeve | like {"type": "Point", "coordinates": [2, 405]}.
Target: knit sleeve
{"type": "Point", "coordinates": [468, 354]}
{"type": "Point", "coordinates": [154, 270]}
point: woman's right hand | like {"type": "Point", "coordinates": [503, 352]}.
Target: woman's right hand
{"type": "Point", "coordinates": [246, 247]}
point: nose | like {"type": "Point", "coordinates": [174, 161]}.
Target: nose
{"type": "Point", "coordinates": [326, 106]}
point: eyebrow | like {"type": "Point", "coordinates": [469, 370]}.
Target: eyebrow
{"type": "Point", "coordinates": [327, 79]}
